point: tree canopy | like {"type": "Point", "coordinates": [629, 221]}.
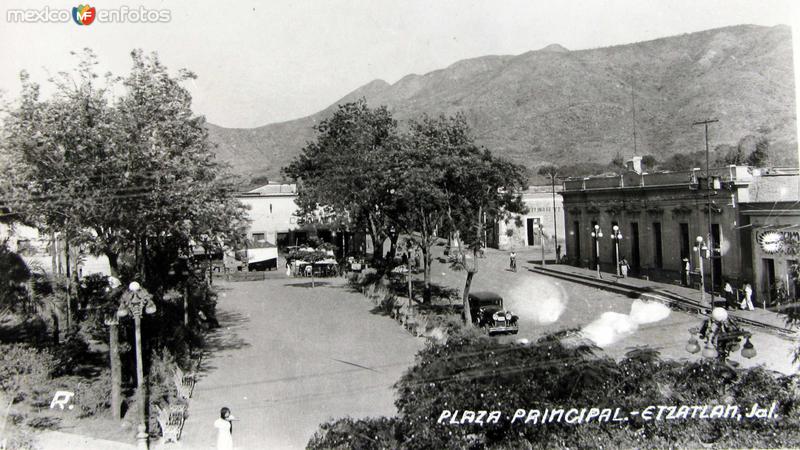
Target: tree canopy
{"type": "Point", "coordinates": [116, 173]}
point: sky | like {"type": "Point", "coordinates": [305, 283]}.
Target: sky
{"type": "Point", "coordinates": [260, 62]}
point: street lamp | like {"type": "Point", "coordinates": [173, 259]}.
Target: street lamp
{"type": "Point", "coordinates": [721, 336]}
{"type": "Point", "coordinates": [616, 236]}
{"type": "Point", "coordinates": [701, 248]}
{"type": "Point", "coordinates": [541, 240]}
{"type": "Point", "coordinates": [137, 301]}
{"type": "Point", "coordinates": [597, 234]}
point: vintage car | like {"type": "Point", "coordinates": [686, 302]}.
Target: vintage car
{"type": "Point", "coordinates": [488, 313]}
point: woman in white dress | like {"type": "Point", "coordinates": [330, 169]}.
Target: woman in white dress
{"type": "Point", "coordinates": [224, 430]}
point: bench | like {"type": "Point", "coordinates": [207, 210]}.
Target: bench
{"type": "Point", "coordinates": [184, 383]}
{"type": "Point", "coordinates": [171, 420]}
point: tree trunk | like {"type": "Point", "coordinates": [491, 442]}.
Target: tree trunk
{"type": "Point", "coordinates": [465, 298]}
{"type": "Point", "coordinates": [426, 257]}
{"type": "Point", "coordinates": [69, 284]}
{"type": "Point", "coordinates": [392, 247]}
{"type": "Point", "coordinates": [113, 262]}
{"type": "Point", "coordinates": [54, 252]}
{"type": "Point", "coordinates": [116, 372]}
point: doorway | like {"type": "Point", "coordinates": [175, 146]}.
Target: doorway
{"type": "Point", "coordinates": [768, 277]}
{"type": "Point", "coordinates": [534, 238]}
{"type": "Point", "coordinates": [635, 247]}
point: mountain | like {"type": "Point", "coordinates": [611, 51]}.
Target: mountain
{"type": "Point", "coordinates": [568, 106]}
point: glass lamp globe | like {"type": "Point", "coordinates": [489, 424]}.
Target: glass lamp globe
{"type": "Point", "coordinates": [709, 351]}
{"type": "Point", "coordinates": [719, 314]}
{"type": "Point", "coordinates": [749, 351]}
{"type": "Point", "coordinates": [692, 346]}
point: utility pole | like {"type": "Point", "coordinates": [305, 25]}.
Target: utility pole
{"type": "Point", "coordinates": [555, 220]}
{"type": "Point", "coordinates": [633, 111]}
{"type": "Point", "coordinates": [711, 242]}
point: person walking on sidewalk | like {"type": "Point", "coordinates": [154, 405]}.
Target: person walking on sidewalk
{"type": "Point", "coordinates": [624, 267]}
{"type": "Point", "coordinates": [224, 429]}
{"type": "Point", "coordinates": [747, 301]}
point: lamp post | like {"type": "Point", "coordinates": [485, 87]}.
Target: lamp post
{"type": "Point", "coordinates": [597, 234]}
{"type": "Point", "coordinates": [721, 336]}
{"type": "Point", "coordinates": [700, 248]}
{"type": "Point", "coordinates": [541, 240]}
{"type": "Point", "coordinates": [616, 236]}
{"type": "Point", "coordinates": [136, 302]}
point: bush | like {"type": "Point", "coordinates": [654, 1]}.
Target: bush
{"type": "Point", "coordinates": [475, 373]}
{"type": "Point", "coordinates": [347, 433]}
{"type": "Point", "coordinates": [23, 368]}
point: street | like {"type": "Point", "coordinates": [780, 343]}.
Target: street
{"type": "Point", "coordinates": [289, 357]}
{"type": "Point", "coordinates": [547, 304]}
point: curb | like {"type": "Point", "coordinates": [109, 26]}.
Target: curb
{"type": "Point", "coordinates": [672, 300]}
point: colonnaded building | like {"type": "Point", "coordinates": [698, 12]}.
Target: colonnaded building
{"type": "Point", "coordinates": [663, 219]}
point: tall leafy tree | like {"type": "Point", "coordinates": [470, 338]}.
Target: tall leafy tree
{"type": "Point", "coordinates": [124, 174]}
{"type": "Point", "coordinates": [350, 172]}
{"type": "Point", "coordinates": [454, 186]}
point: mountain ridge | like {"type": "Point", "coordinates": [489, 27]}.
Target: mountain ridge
{"type": "Point", "coordinates": [555, 105]}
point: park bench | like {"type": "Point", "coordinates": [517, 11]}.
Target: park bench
{"type": "Point", "coordinates": [184, 383]}
{"type": "Point", "coordinates": [171, 420]}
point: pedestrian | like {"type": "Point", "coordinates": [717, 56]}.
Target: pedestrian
{"type": "Point", "coordinates": [623, 268]}
{"type": "Point", "coordinates": [685, 269]}
{"type": "Point", "coordinates": [224, 429]}
{"type": "Point", "coordinates": [747, 301]}
{"type": "Point", "coordinates": [558, 254]}
{"type": "Point", "coordinates": [405, 259]}
{"type": "Point", "coordinates": [729, 296]}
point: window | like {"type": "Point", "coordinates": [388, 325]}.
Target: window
{"type": "Point", "coordinates": [258, 237]}
{"type": "Point", "coordinates": [576, 226]}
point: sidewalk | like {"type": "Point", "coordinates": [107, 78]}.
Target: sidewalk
{"type": "Point", "coordinates": [57, 440]}
{"type": "Point", "coordinates": [682, 295]}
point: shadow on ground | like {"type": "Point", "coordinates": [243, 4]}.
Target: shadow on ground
{"type": "Point", "coordinates": [308, 284]}
{"type": "Point", "coordinates": [224, 338]}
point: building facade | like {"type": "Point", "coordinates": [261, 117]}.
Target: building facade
{"type": "Point", "coordinates": [274, 221]}
{"type": "Point", "coordinates": [661, 216]}
{"type": "Point", "coordinates": [544, 208]}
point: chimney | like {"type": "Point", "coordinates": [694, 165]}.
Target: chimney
{"type": "Point", "coordinates": [634, 164]}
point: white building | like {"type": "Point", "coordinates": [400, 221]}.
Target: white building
{"type": "Point", "coordinates": [38, 252]}
{"type": "Point", "coordinates": [540, 203]}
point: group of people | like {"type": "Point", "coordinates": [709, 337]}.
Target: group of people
{"type": "Point", "coordinates": [739, 298]}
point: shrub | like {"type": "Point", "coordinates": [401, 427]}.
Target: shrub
{"type": "Point", "coordinates": [475, 373]}
{"type": "Point", "coordinates": [44, 423]}
{"type": "Point", "coordinates": [23, 368]}
{"type": "Point", "coordinates": [373, 433]}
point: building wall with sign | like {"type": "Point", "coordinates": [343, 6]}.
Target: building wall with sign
{"type": "Point", "coordinates": [773, 230]}
{"type": "Point", "coordinates": [539, 200]}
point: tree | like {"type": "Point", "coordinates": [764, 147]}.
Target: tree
{"type": "Point", "coordinates": [453, 185]}
{"type": "Point", "coordinates": [492, 188]}
{"type": "Point", "coordinates": [649, 162]}
{"type": "Point", "coordinates": [349, 172]}
{"type": "Point", "coordinates": [760, 154]}
{"type": "Point", "coordinates": [617, 164]}
{"type": "Point", "coordinates": [130, 174]}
